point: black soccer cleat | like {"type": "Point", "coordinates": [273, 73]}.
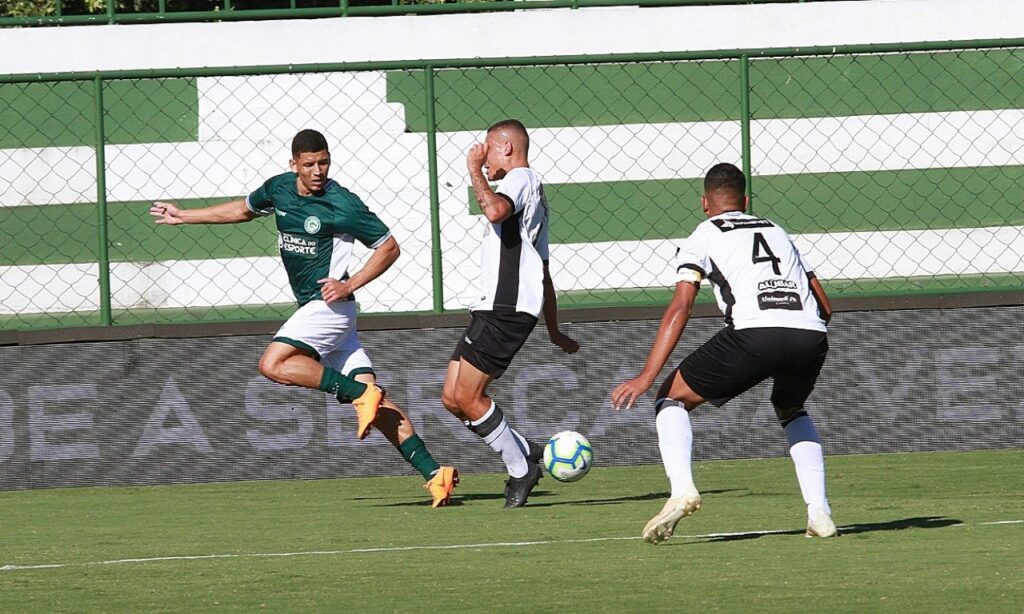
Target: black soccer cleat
{"type": "Point", "coordinates": [518, 489]}
{"type": "Point", "coordinates": [536, 452]}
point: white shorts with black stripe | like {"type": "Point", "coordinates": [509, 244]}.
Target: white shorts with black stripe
{"type": "Point", "coordinates": [328, 333]}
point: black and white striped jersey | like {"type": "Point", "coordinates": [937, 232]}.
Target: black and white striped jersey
{"type": "Point", "coordinates": [759, 277]}
{"type": "Point", "coordinates": [513, 251]}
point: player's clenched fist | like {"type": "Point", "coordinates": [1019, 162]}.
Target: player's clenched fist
{"type": "Point", "coordinates": [476, 156]}
{"type": "Point", "coordinates": [166, 213]}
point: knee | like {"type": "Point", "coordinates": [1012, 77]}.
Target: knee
{"type": "Point", "coordinates": [459, 399]}
{"type": "Point", "coordinates": [448, 400]}
{"type": "Point", "coordinates": [463, 400]}
{"type": "Point", "coordinates": [271, 368]}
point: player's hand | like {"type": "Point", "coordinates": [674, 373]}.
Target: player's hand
{"type": "Point", "coordinates": [166, 213]}
{"type": "Point", "coordinates": [628, 392]}
{"type": "Point", "coordinates": [334, 290]}
{"type": "Point", "coordinates": [567, 343]}
{"type": "Point", "coordinates": [476, 156]}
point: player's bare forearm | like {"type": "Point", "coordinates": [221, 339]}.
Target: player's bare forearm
{"type": "Point", "coordinates": [494, 207]}
{"type": "Point", "coordinates": [231, 212]}
{"type": "Point", "coordinates": [673, 322]}
{"type": "Point", "coordinates": [550, 311]}
{"type": "Point", "coordinates": [381, 260]}
{"type": "Point", "coordinates": [819, 293]}
{"type": "Point", "coordinates": [669, 332]}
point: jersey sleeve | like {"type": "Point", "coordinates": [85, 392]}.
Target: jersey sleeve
{"type": "Point", "coordinates": [801, 259]}
{"type": "Point", "coordinates": [515, 186]}
{"type": "Point", "coordinates": [803, 262]}
{"type": "Point", "coordinates": [365, 226]}
{"type": "Point", "coordinates": [692, 260]}
{"type": "Point", "coordinates": [259, 202]}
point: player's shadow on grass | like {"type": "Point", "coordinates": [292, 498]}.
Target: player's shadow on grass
{"type": "Point", "coordinates": [657, 496]}
{"type": "Point", "coordinates": [920, 522]}
{"type": "Point", "coordinates": [458, 499]}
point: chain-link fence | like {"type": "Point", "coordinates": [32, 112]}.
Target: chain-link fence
{"type": "Point", "coordinates": [897, 173]}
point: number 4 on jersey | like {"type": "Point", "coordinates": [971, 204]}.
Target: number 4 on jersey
{"type": "Point", "coordinates": [763, 253]}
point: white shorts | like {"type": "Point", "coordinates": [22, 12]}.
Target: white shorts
{"type": "Point", "coordinates": [328, 331]}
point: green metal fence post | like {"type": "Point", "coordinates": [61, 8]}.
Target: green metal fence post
{"type": "Point", "coordinates": [101, 205]}
{"type": "Point", "coordinates": [111, 11]}
{"type": "Point", "coordinates": [436, 262]}
{"type": "Point", "coordinates": [745, 125]}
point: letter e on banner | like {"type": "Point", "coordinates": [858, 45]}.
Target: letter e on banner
{"type": "Point", "coordinates": [6, 426]}
{"type": "Point", "coordinates": [40, 423]}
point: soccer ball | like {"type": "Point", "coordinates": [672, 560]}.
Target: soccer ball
{"type": "Point", "coordinates": [568, 456]}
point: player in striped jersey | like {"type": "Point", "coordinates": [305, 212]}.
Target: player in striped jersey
{"type": "Point", "coordinates": [318, 222]}
{"type": "Point", "coordinates": [515, 287]}
{"type": "Point", "coordinates": [776, 313]}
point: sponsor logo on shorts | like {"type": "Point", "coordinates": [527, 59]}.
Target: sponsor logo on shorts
{"type": "Point", "coordinates": [779, 300]}
{"type": "Point", "coordinates": [312, 224]}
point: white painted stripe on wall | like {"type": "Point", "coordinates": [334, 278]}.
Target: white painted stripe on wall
{"type": "Point", "coordinates": [538, 33]}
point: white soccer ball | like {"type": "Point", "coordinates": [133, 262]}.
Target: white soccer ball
{"type": "Point", "coordinates": [568, 456]}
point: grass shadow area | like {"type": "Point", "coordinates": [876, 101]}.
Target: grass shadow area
{"type": "Point", "coordinates": [919, 522]}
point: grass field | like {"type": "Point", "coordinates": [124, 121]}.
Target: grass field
{"type": "Point", "coordinates": [923, 532]}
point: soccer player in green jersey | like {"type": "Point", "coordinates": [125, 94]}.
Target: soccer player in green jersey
{"type": "Point", "coordinates": [318, 347]}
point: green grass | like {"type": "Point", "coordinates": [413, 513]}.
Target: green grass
{"type": "Point", "coordinates": [915, 541]}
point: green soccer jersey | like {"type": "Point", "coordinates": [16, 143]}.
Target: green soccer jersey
{"type": "Point", "coordinates": [316, 233]}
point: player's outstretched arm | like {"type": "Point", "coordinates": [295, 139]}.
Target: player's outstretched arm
{"type": "Point", "coordinates": [381, 260]}
{"type": "Point", "coordinates": [231, 212]}
{"type": "Point", "coordinates": [550, 310]}
{"type": "Point", "coordinates": [677, 314]}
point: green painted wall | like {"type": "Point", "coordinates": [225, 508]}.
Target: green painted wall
{"type": "Point", "coordinates": [58, 234]}
{"type": "Point", "coordinates": [707, 91]}
{"type": "Point", "coordinates": [62, 114]}
{"type": "Point", "coordinates": [810, 203]}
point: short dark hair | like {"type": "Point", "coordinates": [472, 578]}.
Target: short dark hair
{"type": "Point", "coordinates": [514, 125]}
{"type": "Point", "coordinates": [725, 176]}
{"type": "Point", "coordinates": [308, 141]}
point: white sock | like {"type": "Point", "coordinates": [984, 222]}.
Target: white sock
{"type": "Point", "coordinates": [809, 461]}
{"type": "Point", "coordinates": [675, 440]}
{"type": "Point", "coordinates": [502, 440]}
{"type": "Point", "coordinates": [525, 445]}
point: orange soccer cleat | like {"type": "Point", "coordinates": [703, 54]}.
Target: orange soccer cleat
{"type": "Point", "coordinates": [442, 485]}
{"type": "Point", "coordinates": [366, 409]}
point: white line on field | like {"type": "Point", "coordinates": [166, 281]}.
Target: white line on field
{"type": "Point", "coordinates": [265, 555]}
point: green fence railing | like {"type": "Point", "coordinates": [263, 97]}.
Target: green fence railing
{"type": "Point", "coordinates": [898, 169]}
